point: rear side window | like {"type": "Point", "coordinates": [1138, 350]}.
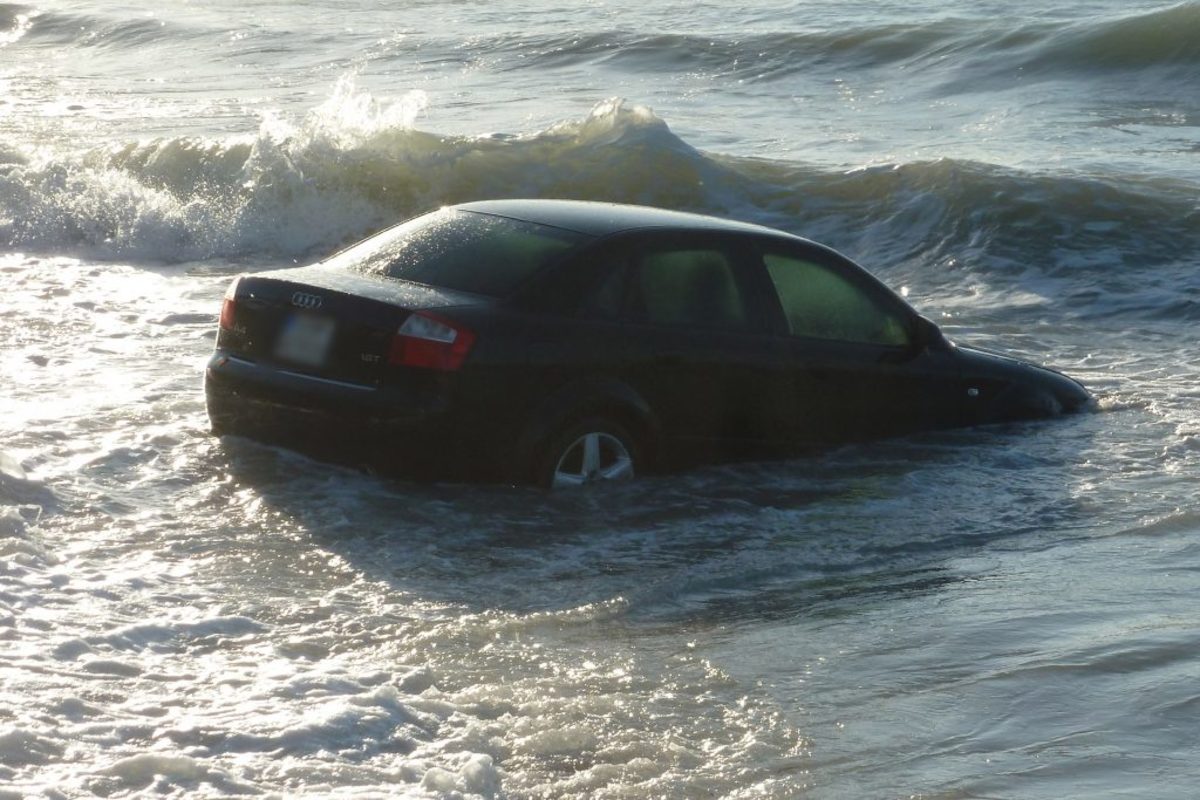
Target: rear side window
{"type": "Point", "coordinates": [461, 250]}
{"type": "Point", "coordinates": [821, 303]}
{"type": "Point", "coordinates": [692, 287]}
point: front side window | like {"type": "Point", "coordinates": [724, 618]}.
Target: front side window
{"type": "Point", "coordinates": [821, 303]}
{"type": "Point", "coordinates": [462, 250]}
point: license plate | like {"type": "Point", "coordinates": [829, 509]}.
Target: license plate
{"type": "Point", "coordinates": [305, 339]}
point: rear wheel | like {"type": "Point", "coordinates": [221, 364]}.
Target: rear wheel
{"type": "Point", "coordinates": [589, 451]}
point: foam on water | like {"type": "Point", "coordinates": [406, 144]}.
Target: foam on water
{"type": "Point", "coordinates": [14, 23]}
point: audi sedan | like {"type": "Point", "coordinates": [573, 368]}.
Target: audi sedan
{"type": "Point", "coordinates": [557, 343]}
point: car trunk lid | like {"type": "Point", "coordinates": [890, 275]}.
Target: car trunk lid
{"type": "Point", "coordinates": [327, 323]}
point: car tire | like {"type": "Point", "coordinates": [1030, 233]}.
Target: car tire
{"type": "Point", "coordinates": [589, 451]}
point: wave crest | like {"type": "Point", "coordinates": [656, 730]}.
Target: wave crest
{"type": "Point", "coordinates": [1165, 38]}
{"type": "Point", "coordinates": [946, 48]}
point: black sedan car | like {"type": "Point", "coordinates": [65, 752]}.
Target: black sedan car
{"type": "Point", "coordinates": [557, 343]}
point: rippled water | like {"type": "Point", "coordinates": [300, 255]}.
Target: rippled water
{"type": "Point", "coordinates": [1001, 612]}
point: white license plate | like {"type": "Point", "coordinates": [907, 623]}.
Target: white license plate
{"type": "Point", "coordinates": [305, 339]}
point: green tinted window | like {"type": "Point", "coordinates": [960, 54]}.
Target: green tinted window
{"type": "Point", "coordinates": [822, 304]}
{"type": "Point", "coordinates": [461, 250]}
{"type": "Point", "coordinates": [688, 287]}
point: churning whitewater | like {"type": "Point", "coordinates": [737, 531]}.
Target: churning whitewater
{"type": "Point", "coordinates": [998, 612]}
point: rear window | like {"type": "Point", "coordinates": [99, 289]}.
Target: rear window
{"type": "Point", "coordinates": [461, 250]}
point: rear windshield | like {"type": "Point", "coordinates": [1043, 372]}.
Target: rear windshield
{"type": "Point", "coordinates": [461, 250]}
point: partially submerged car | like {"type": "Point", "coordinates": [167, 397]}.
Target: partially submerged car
{"type": "Point", "coordinates": [559, 342]}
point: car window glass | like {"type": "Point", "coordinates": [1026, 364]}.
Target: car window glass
{"type": "Point", "coordinates": [687, 287]}
{"type": "Point", "coordinates": [606, 300]}
{"type": "Point", "coordinates": [461, 250]}
{"type": "Point", "coordinates": [820, 303]}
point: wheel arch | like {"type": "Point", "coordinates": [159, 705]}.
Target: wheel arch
{"type": "Point", "coordinates": [1022, 401]}
{"type": "Point", "coordinates": [604, 397]}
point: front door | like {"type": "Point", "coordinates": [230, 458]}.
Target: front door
{"type": "Point", "coordinates": [857, 369]}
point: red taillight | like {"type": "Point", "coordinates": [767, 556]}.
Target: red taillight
{"type": "Point", "coordinates": [229, 306]}
{"type": "Point", "coordinates": [431, 342]}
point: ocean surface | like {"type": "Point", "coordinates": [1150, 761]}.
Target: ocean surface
{"type": "Point", "coordinates": [1005, 612]}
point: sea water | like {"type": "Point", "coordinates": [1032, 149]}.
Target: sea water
{"type": "Point", "coordinates": [1000, 612]}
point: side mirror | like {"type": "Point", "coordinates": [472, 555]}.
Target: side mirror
{"type": "Point", "coordinates": [929, 336]}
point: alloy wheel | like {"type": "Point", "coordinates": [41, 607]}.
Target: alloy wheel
{"type": "Point", "coordinates": [594, 456]}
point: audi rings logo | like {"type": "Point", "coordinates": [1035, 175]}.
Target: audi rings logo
{"type": "Point", "coordinates": [304, 300]}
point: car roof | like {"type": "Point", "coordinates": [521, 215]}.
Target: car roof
{"type": "Point", "coordinates": [601, 219]}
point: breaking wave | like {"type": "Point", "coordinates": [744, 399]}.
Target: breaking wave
{"type": "Point", "coordinates": [353, 165]}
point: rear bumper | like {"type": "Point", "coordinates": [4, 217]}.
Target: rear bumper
{"type": "Point", "coordinates": [395, 429]}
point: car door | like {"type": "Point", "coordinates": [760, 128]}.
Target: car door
{"type": "Point", "coordinates": [859, 367]}
{"type": "Point", "coordinates": [695, 331]}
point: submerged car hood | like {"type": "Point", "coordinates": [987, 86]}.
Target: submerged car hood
{"type": "Point", "coordinates": [982, 355]}
{"type": "Point", "coordinates": [388, 290]}
{"type": "Point", "coordinates": [980, 362]}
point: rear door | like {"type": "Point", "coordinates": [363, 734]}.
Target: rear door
{"type": "Point", "coordinates": [856, 369]}
{"type": "Point", "coordinates": [695, 332]}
